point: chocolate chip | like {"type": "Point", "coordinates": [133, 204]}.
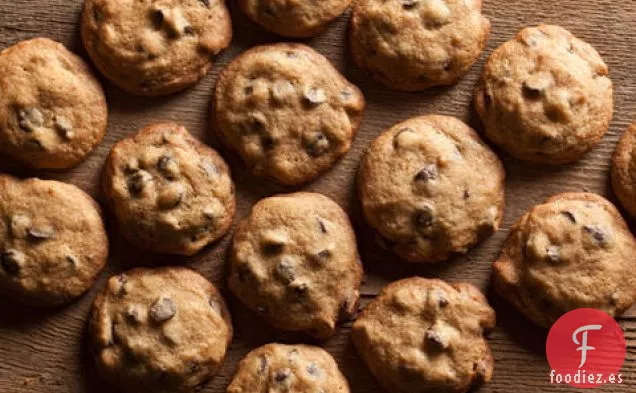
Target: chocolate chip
{"type": "Point", "coordinates": [133, 313]}
{"type": "Point", "coordinates": [273, 242]}
{"type": "Point", "coordinates": [321, 225]}
{"type": "Point", "coordinates": [553, 254]}
{"type": "Point", "coordinates": [157, 18]}
{"type": "Point", "coordinates": [312, 369]}
{"type": "Point", "coordinates": [466, 194]}
{"type": "Point", "coordinates": [248, 90]}
{"type": "Point", "coordinates": [427, 173]}
{"type": "Point", "coordinates": [120, 285]}
{"type": "Point", "coordinates": [29, 119]}
{"type": "Point", "coordinates": [214, 305]}
{"type": "Point", "coordinates": [298, 290]}
{"type": "Point", "coordinates": [531, 91]}
{"type": "Point", "coordinates": [435, 340]}
{"type": "Point", "coordinates": [44, 233]}
{"type": "Point", "coordinates": [315, 143]}
{"type": "Point", "coordinates": [35, 144]}
{"type": "Point", "coordinates": [188, 30]}
{"type": "Point", "coordinates": [315, 96]}
{"type": "Point", "coordinates": [282, 375]}
{"type": "Point", "coordinates": [267, 142]}
{"type": "Point", "coordinates": [162, 309]}
{"type": "Point", "coordinates": [138, 181]}
{"type": "Point", "coordinates": [285, 271]}
{"type": "Point", "coordinates": [409, 4]}
{"type": "Point", "coordinates": [168, 166]}
{"type": "Point", "coordinates": [262, 365]}
{"type": "Point", "coordinates": [63, 127]}
{"type": "Point", "coordinates": [205, 3]}
{"type": "Point", "coordinates": [442, 301]}
{"type": "Point", "coordinates": [12, 262]}
{"type": "Point", "coordinates": [321, 256]}
{"type": "Point", "coordinates": [570, 216]}
{"type": "Point", "coordinates": [597, 233]}
{"type": "Point", "coordinates": [346, 95]}
{"type": "Point", "coordinates": [424, 220]}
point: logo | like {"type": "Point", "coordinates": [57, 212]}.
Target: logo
{"type": "Point", "coordinates": [586, 348]}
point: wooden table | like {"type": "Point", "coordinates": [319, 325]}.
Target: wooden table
{"type": "Point", "coordinates": [44, 351]}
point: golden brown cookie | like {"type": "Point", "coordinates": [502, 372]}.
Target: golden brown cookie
{"type": "Point", "coordinates": [155, 47]}
{"type": "Point", "coordinates": [292, 18]}
{"type": "Point", "coordinates": [52, 109]}
{"type": "Point", "coordinates": [624, 170]}
{"type": "Point", "coordinates": [170, 193]}
{"type": "Point", "coordinates": [545, 96]}
{"type": "Point", "coordinates": [286, 111]}
{"type": "Point", "coordinates": [52, 241]}
{"type": "Point", "coordinates": [295, 262]}
{"type": "Point", "coordinates": [431, 188]}
{"type": "Point", "coordinates": [573, 251]}
{"type": "Point", "coordinates": [424, 335]}
{"type": "Point", "coordinates": [163, 330]}
{"type": "Point", "coordinates": [416, 44]}
{"type": "Point", "coordinates": [288, 368]}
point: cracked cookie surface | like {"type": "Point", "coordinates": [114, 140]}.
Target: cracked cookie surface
{"type": "Point", "coordinates": [573, 251]}
{"type": "Point", "coordinates": [52, 109]}
{"type": "Point", "coordinates": [53, 244]}
{"type": "Point", "coordinates": [424, 335]}
{"type": "Point", "coordinates": [286, 111]}
{"type": "Point", "coordinates": [430, 188]}
{"type": "Point", "coordinates": [295, 263]}
{"type": "Point", "coordinates": [170, 193]}
{"type": "Point", "coordinates": [416, 44]}
{"type": "Point", "coordinates": [545, 96]}
{"type": "Point", "coordinates": [154, 47]}
{"type": "Point", "coordinates": [624, 170]}
{"type": "Point", "coordinates": [159, 330]}
{"type": "Point", "coordinates": [292, 18]}
{"type": "Point", "coordinates": [288, 368]}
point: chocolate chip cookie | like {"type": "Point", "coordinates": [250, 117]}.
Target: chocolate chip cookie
{"type": "Point", "coordinates": [624, 170]}
{"type": "Point", "coordinates": [416, 44]}
{"type": "Point", "coordinates": [431, 188]}
{"type": "Point", "coordinates": [155, 47]}
{"type": "Point", "coordinates": [572, 251]}
{"type": "Point", "coordinates": [52, 109]}
{"type": "Point", "coordinates": [53, 244]}
{"type": "Point", "coordinates": [286, 111]}
{"type": "Point", "coordinates": [294, 261]}
{"type": "Point", "coordinates": [293, 18]}
{"type": "Point", "coordinates": [288, 368]}
{"type": "Point", "coordinates": [424, 335]}
{"type": "Point", "coordinates": [170, 193]}
{"type": "Point", "coordinates": [545, 96]}
{"type": "Point", "coordinates": [159, 330]}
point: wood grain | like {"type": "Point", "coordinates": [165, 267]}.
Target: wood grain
{"type": "Point", "coordinates": [43, 351]}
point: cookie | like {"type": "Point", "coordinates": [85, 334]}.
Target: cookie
{"type": "Point", "coordinates": [624, 170]}
{"type": "Point", "coordinates": [545, 96]}
{"type": "Point", "coordinates": [573, 251]}
{"type": "Point", "coordinates": [413, 45]}
{"type": "Point", "coordinates": [424, 335]}
{"type": "Point", "coordinates": [286, 111]}
{"type": "Point", "coordinates": [430, 188]}
{"type": "Point", "coordinates": [53, 244]}
{"type": "Point", "coordinates": [288, 368]}
{"type": "Point", "coordinates": [52, 109]}
{"type": "Point", "coordinates": [292, 18]}
{"type": "Point", "coordinates": [155, 47]}
{"type": "Point", "coordinates": [170, 193]}
{"type": "Point", "coordinates": [294, 261]}
{"type": "Point", "coordinates": [159, 330]}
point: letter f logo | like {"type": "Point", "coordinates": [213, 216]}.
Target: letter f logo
{"type": "Point", "coordinates": [583, 344]}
